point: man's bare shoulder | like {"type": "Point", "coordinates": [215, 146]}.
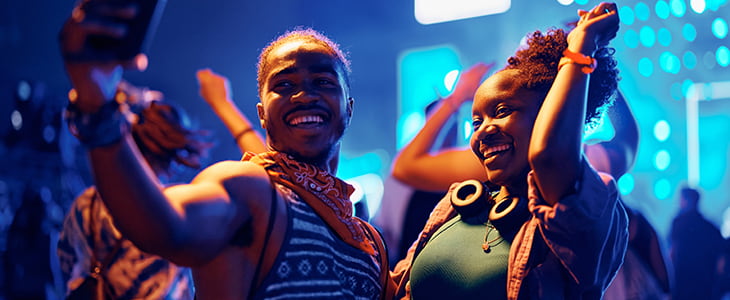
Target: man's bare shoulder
{"type": "Point", "coordinates": [231, 169]}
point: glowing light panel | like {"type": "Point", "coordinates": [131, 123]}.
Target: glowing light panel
{"type": "Point", "coordinates": [438, 11]}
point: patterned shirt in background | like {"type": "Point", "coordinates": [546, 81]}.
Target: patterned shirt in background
{"type": "Point", "coordinates": [131, 273]}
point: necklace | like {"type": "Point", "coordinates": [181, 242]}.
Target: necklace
{"type": "Point", "coordinates": [494, 241]}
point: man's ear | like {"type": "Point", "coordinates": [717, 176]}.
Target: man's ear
{"type": "Point", "coordinates": [350, 105]}
{"type": "Point", "coordinates": [260, 110]}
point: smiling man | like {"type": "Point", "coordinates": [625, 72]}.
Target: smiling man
{"type": "Point", "coordinates": [274, 225]}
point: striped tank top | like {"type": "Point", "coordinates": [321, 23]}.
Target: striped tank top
{"type": "Point", "coordinates": [314, 263]}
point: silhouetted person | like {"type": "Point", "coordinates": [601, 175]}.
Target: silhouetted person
{"type": "Point", "coordinates": [696, 247]}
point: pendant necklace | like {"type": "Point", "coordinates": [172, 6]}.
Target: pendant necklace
{"type": "Point", "coordinates": [494, 241]}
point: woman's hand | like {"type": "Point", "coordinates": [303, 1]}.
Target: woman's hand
{"type": "Point", "coordinates": [468, 83]}
{"type": "Point", "coordinates": [595, 29]}
{"type": "Point", "coordinates": [214, 88]}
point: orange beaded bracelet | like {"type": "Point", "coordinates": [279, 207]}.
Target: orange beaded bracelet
{"type": "Point", "coordinates": [589, 63]}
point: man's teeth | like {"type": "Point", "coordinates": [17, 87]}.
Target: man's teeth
{"type": "Point", "coordinates": [306, 119]}
{"type": "Point", "coordinates": [494, 149]}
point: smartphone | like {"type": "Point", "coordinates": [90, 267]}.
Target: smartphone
{"type": "Point", "coordinates": [141, 30]}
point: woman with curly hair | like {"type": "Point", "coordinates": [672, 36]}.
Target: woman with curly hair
{"type": "Point", "coordinates": [97, 262]}
{"type": "Point", "coordinates": [548, 225]}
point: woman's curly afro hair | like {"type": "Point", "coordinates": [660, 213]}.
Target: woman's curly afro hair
{"type": "Point", "coordinates": [537, 66]}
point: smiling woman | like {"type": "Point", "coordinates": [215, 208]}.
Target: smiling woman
{"type": "Point", "coordinates": [553, 227]}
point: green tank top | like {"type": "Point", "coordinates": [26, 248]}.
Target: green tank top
{"type": "Point", "coordinates": [454, 264]}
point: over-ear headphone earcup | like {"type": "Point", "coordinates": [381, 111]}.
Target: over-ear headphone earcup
{"type": "Point", "coordinates": [508, 215]}
{"type": "Point", "coordinates": [470, 198]}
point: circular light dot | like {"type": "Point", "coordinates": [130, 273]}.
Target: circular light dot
{"type": "Point", "coordinates": [565, 2]}
{"type": "Point", "coordinates": [686, 86]}
{"type": "Point", "coordinates": [642, 11]}
{"type": "Point", "coordinates": [646, 67]}
{"type": "Point", "coordinates": [664, 37]}
{"type": "Point", "coordinates": [689, 32]}
{"type": "Point", "coordinates": [719, 28]}
{"type": "Point", "coordinates": [723, 56]}
{"type": "Point", "coordinates": [581, 2]}
{"type": "Point", "coordinates": [662, 160]}
{"type": "Point", "coordinates": [669, 63]}
{"type": "Point", "coordinates": [662, 189]}
{"type": "Point", "coordinates": [690, 60]}
{"type": "Point", "coordinates": [662, 9]}
{"type": "Point", "coordinates": [647, 37]}
{"type": "Point", "coordinates": [631, 38]}
{"type": "Point", "coordinates": [676, 91]}
{"type": "Point", "coordinates": [662, 130]}
{"type": "Point", "coordinates": [678, 7]}
{"type": "Point", "coordinates": [49, 133]}
{"type": "Point", "coordinates": [697, 6]}
{"type": "Point", "coordinates": [23, 90]}
{"type": "Point", "coordinates": [626, 184]}
{"type": "Point", "coordinates": [626, 14]}
{"type": "Point", "coordinates": [709, 60]}
{"type": "Point", "coordinates": [16, 119]}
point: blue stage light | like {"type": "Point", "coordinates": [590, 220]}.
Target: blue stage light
{"type": "Point", "coordinates": [689, 32]}
{"type": "Point", "coordinates": [723, 56]}
{"type": "Point", "coordinates": [662, 130]}
{"type": "Point", "coordinates": [719, 28]}
{"type": "Point", "coordinates": [678, 8]}
{"type": "Point", "coordinates": [626, 14]}
{"type": "Point", "coordinates": [631, 38]}
{"type": "Point", "coordinates": [690, 60]}
{"type": "Point", "coordinates": [642, 11]}
{"type": "Point", "coordinates": [646, 67]}
{"type": "Point", "coordinates": [669, 63]}
{"type": "Point", "coordinates": [662, 9]}
{"type": "Point", "coordinates": [662, 159]}
{"type": "Point", "coordinates": [647, 36]}
{"type": "Point", "coordinates": [662, 189]}
{"type": "Point", "coordinates": [626, 184]}
{"type": "Point", "coordinates": [664, 37]}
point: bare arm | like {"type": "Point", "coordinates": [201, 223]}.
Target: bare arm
{"type": "Point", "coordinates": [188, 224]}
{"type": "Point", "coordinates": [416, 166]}
{"type": "Point", "coordinates": [557, 136]}
{"type": "Point", "coordinates": [215, 89]}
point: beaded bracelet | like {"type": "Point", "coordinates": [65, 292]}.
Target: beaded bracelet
{"type": "Point", "coordinates": [589, 63]}
{"type": "Point", "coordinates": [104, 127]}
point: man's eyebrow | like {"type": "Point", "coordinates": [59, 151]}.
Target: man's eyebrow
{"type": "Point", "coordinates": [286, 71]}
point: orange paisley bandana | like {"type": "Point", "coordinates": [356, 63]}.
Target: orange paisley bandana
{"type": "Point", "coordinates": [328, 195]}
